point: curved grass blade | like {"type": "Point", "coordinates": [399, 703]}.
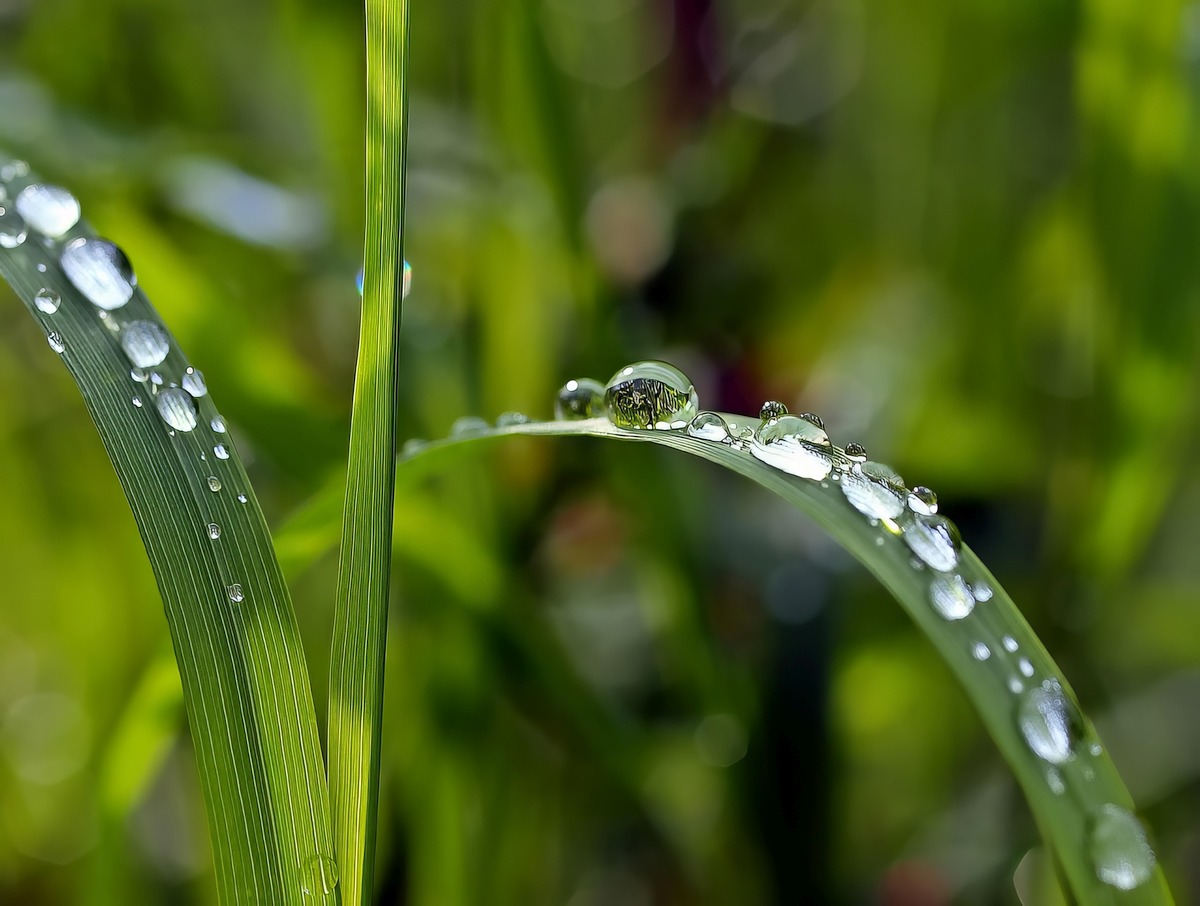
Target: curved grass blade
{"type": "Point", "coordinates": [360, 623]}
{"type": "Point", "coordinates": [234, 632]}
{"type": "Point", "coordinates": [1081, 805]}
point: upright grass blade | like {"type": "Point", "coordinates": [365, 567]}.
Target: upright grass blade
{"type": "Point", "coordinates": [231, 620]}
{"type": "Point", "coordinates": [360, 624]}
{"type": "Point", "coordinates": [1080, 803]}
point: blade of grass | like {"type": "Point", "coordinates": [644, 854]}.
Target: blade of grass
{"type": "Point", "coordinates": [236, 641]}
{"type": "Point", "coordinates": [1072, 798]}
{"type": "Point", "coordinates": [360, 622]}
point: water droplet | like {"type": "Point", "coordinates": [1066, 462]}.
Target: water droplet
{"type": "Point", "coordinates": [982, 591]}
{"type": "Point", "coordinates": [1010, 644]}
{"type": "Point", "coordinates": [1015, 686]}
{"type": "Point", "coordinates": [241, 498]}
{"type": "Point", "coordinates": [1025, 667]}
{"type": "Point", "coordinates": [145, 344]}
{"type": "Point", "coordinates": [772, 409]}
{"type": "Point", "coordinates": [653, 395]}
{"type": "Point", "coordinates": [51, 210]}
{"type": "Point", "coordinates": [12, 228]}
{"type": "Point", "coordinates": [236, 595]}
{"type": "Point", "coordinates": [1055, 782]}
{"type": "Point", "coordinates": [1050, 722]}
{"type": "Point", "coordinates": [884, 473]}
{"type": "Point", "coordinates": [214, 483]}
{"type": "Point", "coordinates": [406, 283]}
{"type": "Point", "coordinates": [137, 402]}
{"type": "Point", "coordinates": [579, 399]}
{"type": "Point", "coordinates": [467, 425]}
{"type": "Point", "coordinates": [951, 597]}
{"type": "Point", "coordinates": [156, 379]}
{"type": "Point", "coordinates": [177, 409]}
{"type": "Point", "coordinates": [793, 445]}
{"type": "Point", "coordinates": [856, 452]}
{"type": "Point", "coordinates": [193, 382]}
{"type": "Point", "coordinates": [41, 267]}
{"type": "Point", "coordinates": [214, 531]}
{"type": "Point", "coordinates": [220, 451]}
{"type": "Point", "coordinates": [55, 339]}
{"type": "Point", "coordinates": [981, 651]}
{"type": "Point", "coordinates": [14, 169]}
{"type": "Point", "coordinates": [923, 501]}
{"type": "Point", "coordinates": [709, 426]}
{"type": "Point", "coordinates": [1096, 749]}
{"type": "Point", "coordinates": [935, 540]}
{"type": "Point", "coordinates": [138, 375]}
{"type": "Point", "coordinates": [47, 301]}
{"type": "Point", "coordinates": [814, 418]}
{"type": "Point", "coordinates": [320, 876]}
{"type": "Point", "coordinates": [873, 498]}
{"type": "Point", "coordinates": [99, 270]}
{"type": "Point", "coordinates": [218, 424]}
{"type": "Point", "coordinates": [413, 446]}
{"type": "Point", "coordinates": [1122, 856]}
{"type": "Point", "coordinates": [511, 419]}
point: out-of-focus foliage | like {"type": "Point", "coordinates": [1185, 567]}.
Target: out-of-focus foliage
{"type": "Point", "coordinates": [964, 233]}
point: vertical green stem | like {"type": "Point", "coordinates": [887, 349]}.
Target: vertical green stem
{"type": "Point", "coordinates": [360, 627]}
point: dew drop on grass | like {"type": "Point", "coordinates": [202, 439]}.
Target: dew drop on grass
{"type": "Point", "coordinates": [981, 651]}
{"type": "Point", "coordinates": [236, 594]}
{"type": "Point", "coordinates": [51, 210]}
{"type": "Point", "coordinates": [982, 591]}
{"type": "Point", "coordinates": [579, 399]}
{"type": "Point", "coordinates": [218, 424]}
{"type": "Point", "coordinates": [214, 483]}
{"type": "Point", "coordinates": [137, 402]}
{"type": "Point", "coordinates": [14, 169]}
{"type": "Point", "coordinates": [145, 344]}
{"type": "Point", "coordinates": [772, 409]}
{"type": "Point", "coordinates": [1049, 722]}
{"type": "Point", "coordinates": [794, 445]}
{"type": "Point", "coordinates": [884, 473]}
{"type": "Point", "coordinates": [320, 876]}
{"type": "Point", "coordinates": [1026, 667]}
{"type": "Point", "coordinates": [100, 270]}
{"type": "Point", "coordinates": [47, 301]}
{"type": "Point", "coordinates": [12, 228]}
{"type": "Point", "coordinates": [935, 540]}
{"type": "Point", "coordinates": [56, 341]}
{"type": "Point", "coordinates": [814, 418]}
{"type": "Point", "coordinates": [221, 451]}
{"type": "Point", "coordinates": [1055, 782]}
{"type": "Point", "coordinates": [1010, 644]}
{"type": "Point", "coordinates": [241, 498]}
{"type": "Point", "coordinates": [511, 419]}
{"type": "Point", "coordinates": [1120, 853]}
{"type": "Point", "coordinates": [871, 497]}
{"type": "Point", "coordinates": [214, 531]}
{"type": "Point", "coordinates": [412, 446]}
{"type": "Point", "coordinates": [177, 409]}
{"type": "Point", "coordinates": [951, 597]}
{"type": "Point", "coordinates": [856, 452]}
{"type": "Point", "coordinates": [651, 395]}
{"type": "Point", "coordinates": [923, 501]}
{"type": "Point", "coordinates": [709, 426]}
{"type": "Point", "coordinates": [468, 425]}
{"type": "Point", "coordinates": [407, 282]}
{"type": "Point", "coordinates": [193, 382]}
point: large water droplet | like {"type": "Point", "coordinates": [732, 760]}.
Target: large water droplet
{"type": "Point", "coordinates": [651, 395]}
{"type": "Point", "coordinates": [884, 473]}
{"type": "Point", "coordinates": [871, 497]}
{"type": "Point", "coordinates": [1050, 722]}
{"type": "Point", "coordinates": [12, 228]}
{"type": "Point", "coordinates": [935, 540]}
{"type": "Point", "coordinates": [320, 876]}
{"type": "Point", "coordinates": [951, 597]}
{"type": "Point", "coordinates": [221, 451]}
{"type": "Point", "coordinates": [145, 344]}
{"type": "Point", "coordinates": [923, 501]}
{"type": "Point", "coordinates": [51, 210]}
{"type": "Point", "coordinates": [177, 409]}
{"type": "Point", "coordinates": [709, 426]}
{"type": "Point", "coordinates": [47, 301]}
{"type": "Point", "coordinates": [218, 424]}
{"type": "Point", "coordinates": [193, 382]}
{"type": "Point", "coordinates": [793, 445]}
{"type": "Point", "coordinates": [1122, 857]}
{"type": "Point", "coordinates": [56, 341]}
{"type": "Point", "coordinates": [99, 270]}
{"type": "Point", "coordinates": [236, 594]}
{"type": "Point", "coordinates": [772, 409]}
{"type": "Point", "coordinates": [214, 483]}
{"type": "Point", "coordinates": [579, 399]}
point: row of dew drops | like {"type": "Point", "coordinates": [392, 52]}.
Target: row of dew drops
{"type": "Point", "coordinates": [103, 274]}
{"type": "Point", "coordinates": [657, 396]}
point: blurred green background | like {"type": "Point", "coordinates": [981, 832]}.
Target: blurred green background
{"type": "Point", "coordinates": [966, 234]}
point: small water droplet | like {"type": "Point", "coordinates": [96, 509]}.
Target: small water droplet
{"type": "Point", "coordinates": [709, 426]}
{"type": "Point", "coordinates": [793, 445]}
{"type": "Point", "coordinates": [512, 419]}
{"type": "Point", "coordinates": [100, 270]}
{"type": "Point", "coordinates": [1055, 782]}
{"type": "Point", "coordinates": [412, 446]}
{"type": "Point", "coordinates": [139, 375]}
{"type": "Point", "coordinates": [1010, 644]}
{"type": "Point", "coordinates": [982, 591]}
{"type": "Point", "coordinates": [651, 395]}
{"type": "Point", "coordinates": [177, 409]}
{"type": "Point", "coordinates": [873, 498]}
{"type": "Point", "coordinates": [41, 267]}
{"type": "Point", "coordinates": [156, 379]}
{"type": "Point", "coordinates": [55, 339]}
{"type": "Point", "coordinates": [214, 531]}
{"type": "Point", "coordinates": [856, 452]}
{"type": "Point", "coordinates": [12, 228]}
{"type": "Point", "coordinates": [51, 210]}
{"type": "Point", "coordinates": [241, 498]}
{"type": "Point", "coordinates": [772, 409]}
{"type": "Point", "coordinates": [137, 402]}
{"type": "Point", "coordinates": [214, 483]}
{"type": "Point", "coordinates": [935, 540]}
{"type": "Point", "coordinates": [468, 425]}
{"type": "Point", "coordinates": [47, 301]}
{"type": "Point", "coordinates": [1025, 667]}
{"type": "Point", "coordinates": [981, 651]}
{"type": "Point", "coordinates": [193, 382]}
{"type": "Point", "coordinates": [1050, 722]}
{"type": "Point", "coordinates": [145, 344]}
{"type": "Point", "coordinates": [951, 597]}
{"type": "Point", "coordinates": [220, 451]}
{"type": "Point", "coordinates": [406, 287]}
{"type": "Point", "coordinates": [814, 418]}
{"type": "Point", "coordinates": [218, 424]}
{"type": "Point", "coordinates": [236, 595]}
{"type": "Point", "coordinates": [1015, 686]}
{"type": "Point", "coordinates": [922, 500]}
{"type": "Point", "coordinates": [14, 169]}
{"type": "Point", "coordinates": [579, 399]}
{"type": "Point", "coordinates": [1122, 856]}
{"type": "Point", "coordinates": [1096, 749]}
{"type": "Point", "coordinates": [320, 876]}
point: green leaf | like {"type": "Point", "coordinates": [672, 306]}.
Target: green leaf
{"type": "Point", "coordinates": [360, 622]}
{"type": "Point", "coordinates": [234, 632]}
